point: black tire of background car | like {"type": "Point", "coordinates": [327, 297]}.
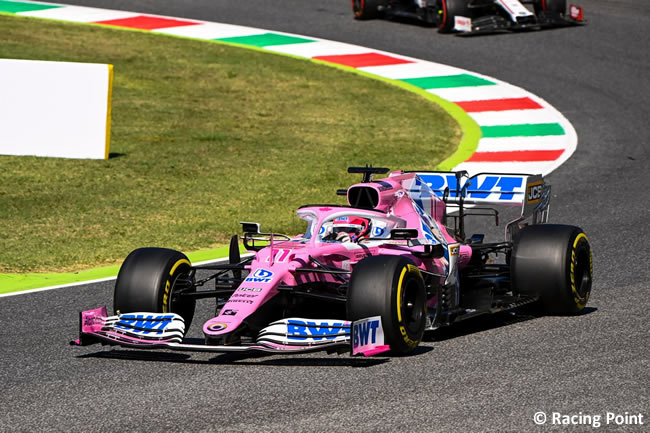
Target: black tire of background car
{"type": "Point", "coordinates": [558, 6]}
{"type": "Point", "coordinates": [553, 262]}
{"type": "Point", "coordinates": [146, 283]}
{"type": "Point", "coordinates": [451, 9]}
{"type": "Point", "coordinates": [366, 9]}
{"type": "Point", "coordinates": [391, 287]}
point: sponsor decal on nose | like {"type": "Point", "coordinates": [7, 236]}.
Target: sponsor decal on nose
{"type": "Point", "coordinates": [260, 276]}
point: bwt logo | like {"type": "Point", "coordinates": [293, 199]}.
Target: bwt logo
{"type": "Point", "coordinates": [298, 330]}
{"type": "Point", "coordinates": [365, 333]}
{"type": "Point", "coordinates": [144, 324]}
{"type": "Point", "coordinates": [480, 188]}
{"type": "Point", "coordinates": [260, 276]}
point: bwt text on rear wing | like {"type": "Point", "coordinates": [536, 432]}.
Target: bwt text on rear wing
{"type": "Point", "coordinates": [459, 190]}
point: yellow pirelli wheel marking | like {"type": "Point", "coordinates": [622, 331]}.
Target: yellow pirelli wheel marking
{"type": "Point", "coordinates": [165, 306]}
{"type": "Point", "coordinates": [402, 329]}
{"type": "Point", "coordinates": [580, 236]}
{"type": "Point", "coordinates": [177, 264]}
{"type": "Point", "coordinates": [413, 268]}
{"type": "Point", "coordinates": [399, 294]}
{"type": "Point", "coordinates": [579, 300]}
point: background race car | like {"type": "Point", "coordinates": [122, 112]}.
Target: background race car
{"type": "Point", "coordinates": [470, 17]}
{"type": "Point", "coordinates": [364, 278]}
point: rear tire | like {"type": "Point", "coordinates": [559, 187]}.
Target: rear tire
{"type": "Point", "coordinates": [553, 262]}
{"type": "Point", "coordinates": [391, 287]}
{"type": "Point", "coordinates": [449, 10]}
{"type": "Point", "coordinates": [147, 281]}
{"type": "Point", "coordinates": [366, 9]}
{"type": "Point", "coordinates": [557, 6]}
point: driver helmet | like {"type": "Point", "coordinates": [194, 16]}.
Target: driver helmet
{"type": "Point", "coordinates": [355, 227]}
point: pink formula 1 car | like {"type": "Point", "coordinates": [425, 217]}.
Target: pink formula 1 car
{"type": "Point", "coordinates": [366, 278]}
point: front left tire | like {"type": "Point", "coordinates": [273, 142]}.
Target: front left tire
{"type": "Point", "coordinates": [149, 280]}
{"type": "Point", "coordinates": [391, 287]}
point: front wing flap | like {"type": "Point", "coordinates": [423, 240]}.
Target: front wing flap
{"type": "Point", "coordinates": [287, 336]}
{"type": "Point", "coordinates": [466, 26]}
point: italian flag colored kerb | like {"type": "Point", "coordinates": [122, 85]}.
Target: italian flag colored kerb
{"type": "Point", "coordinates": [520, 133]}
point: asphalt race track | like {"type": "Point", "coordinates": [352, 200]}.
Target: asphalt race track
{"type": "Point", "coordinates": [488, 375]}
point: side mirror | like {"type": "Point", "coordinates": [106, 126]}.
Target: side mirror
{"type": "Point", "coordinates": [250, 228]}
{"type": "Point", "coordinates": [403, 234]}
{"type": "Point", "coordinates": [437, 251]}
{"type": "Point", "coordinates": [432, 252]}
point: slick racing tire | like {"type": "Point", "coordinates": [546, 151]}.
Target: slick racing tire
{"type": "Point", "coordinates": [366, 9]}
{"type": "Point", "coordinates": [449, 10]}
{"type": "Point", "coordinates": [147, 281]}
{"type": "Point", "coordinates": [553, 262]}
{"type": "Point", "coordinates": [558, 6]}
{"type": "Point", "coordinates": [391, 287]}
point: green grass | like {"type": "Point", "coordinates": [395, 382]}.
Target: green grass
{"type": "Point", "coordinates": [204, 135]}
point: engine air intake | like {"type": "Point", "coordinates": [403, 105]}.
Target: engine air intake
{"type": "Point", "coordinates": [363, 197]}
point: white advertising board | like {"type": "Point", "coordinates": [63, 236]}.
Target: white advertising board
{"type": "Point", "coordinates": [55, 109]}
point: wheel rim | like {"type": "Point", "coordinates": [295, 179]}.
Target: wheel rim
{"type": "Point", "coordinates": [443, 23]}
{"type": "Point", "coordinates": [583, 273]}
{"type": "Point", "coordinates": [176, 305]}
{"type": "Point", "coordinates": [412, 307]}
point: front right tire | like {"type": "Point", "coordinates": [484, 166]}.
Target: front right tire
{"type": "Point", "coordinates": [366, 9]}
{"type": "Point", "coordinates": [557, 6]}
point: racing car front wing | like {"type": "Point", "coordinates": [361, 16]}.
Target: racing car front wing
{"type": "Point", "coordinates": [286, 336]}
{"type": "Point", "coordinates": [487, 24]}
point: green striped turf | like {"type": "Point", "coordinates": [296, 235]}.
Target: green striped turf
{"type": "Point", "coordinates": [524, 130]}
{"type": "Point", "coordinates": [448, 81]}
{"type": "Point", "coordinates": [265, 40]}
{"type": "Point", "coordinates": [15, 7]}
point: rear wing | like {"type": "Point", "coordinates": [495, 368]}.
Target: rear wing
{"type": "Point", "coordinates": [429, 189]}
{"type": "Point", "coordinates": [528, 191]}
{"type": "Point", "coordinates": [482, 188]}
